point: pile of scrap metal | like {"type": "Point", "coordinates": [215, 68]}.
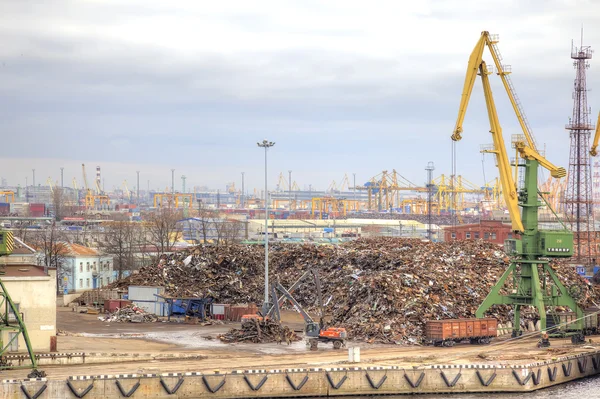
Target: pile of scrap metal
{"type": "Point", "coordinates": [380, 289]}
{"type": "Point", "coordinates": [260, 331]}
{"type": "Point", "coordinates": [130, 313]}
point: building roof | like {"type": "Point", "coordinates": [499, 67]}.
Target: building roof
{"type": "Point", "coordinates": [23, 270]}
{"type": "Point", "coordinates": [79, 250]}
{"type": "Point", "coordinates": [21, 248]}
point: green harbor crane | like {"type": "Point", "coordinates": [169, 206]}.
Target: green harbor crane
{"type": "Point", "coordinates": [10, 318]}
{"type": "Point", "coordinates": [529, 279]}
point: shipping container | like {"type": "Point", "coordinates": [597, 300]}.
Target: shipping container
{"type": "Point", "coordinates": [447, 332]}
{"type": "Point", "coordinates": [147, 299]}
{"type": "Point", "coordinates": [4, 208]}
{"type": "Point", "coordinates": [237, 311]}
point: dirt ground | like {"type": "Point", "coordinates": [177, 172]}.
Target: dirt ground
{"type": "Point", "coordinates": [93, 335]}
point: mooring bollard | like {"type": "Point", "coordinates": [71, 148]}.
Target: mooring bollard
{"type": "Point", "coordinates": [354, 355]}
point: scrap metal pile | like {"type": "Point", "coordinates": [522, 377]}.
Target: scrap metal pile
{"type": "Point", "coordinates": [130, 313]}
{"type": "Point", "coordinates": [262, 331]}
{"type": "Point", "coordinates": [379, 289]}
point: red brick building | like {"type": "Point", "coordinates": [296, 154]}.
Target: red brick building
{"type": "Point", "coordinates": [488, 230]}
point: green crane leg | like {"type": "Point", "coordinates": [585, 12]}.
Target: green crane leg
{"type": "Point", "coordinates": [21, 326]}
{"type": "Point", "coordinates": [494, 297]}
{"type": "Point", "coordinates": [538, 296]}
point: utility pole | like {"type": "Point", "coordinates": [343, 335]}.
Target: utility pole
{"type": "Point", "coordinates": [354, 191]}
{"type": "Point", "coordinates": [62, 185]}
{"type": "Point", "coordinates": [429, 168]}
{"type": "Point", "coordinates": [172, 181]}
{"type": "Point", "coordinates": [290, 188]}
{"type": "Point", "coordinates": [183, 183]}
{"type": "Point", "coordinates": [266, 305]}
{"type": "Point", "coordinates": [138, 187]}
{"type": "Point", "coordinates": [242, 195]}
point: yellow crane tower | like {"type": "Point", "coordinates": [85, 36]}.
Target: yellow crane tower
{"type": "Point", "coordinates": [593, 151]}
{"type": "Point", "coordinates": [126, 190]}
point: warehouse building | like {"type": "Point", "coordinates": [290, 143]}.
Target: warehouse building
{"type": "Point", "coordinates": [488, 230]}
{"type": "Point", "coordinates": [33, 290]}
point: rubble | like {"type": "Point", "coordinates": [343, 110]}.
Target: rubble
{"type": "Point", "coordinates": [130, 313]}
{"type": "Point", "coordinates": [262, 331]}
{"type": "Point", "coordinates": [379, 289]}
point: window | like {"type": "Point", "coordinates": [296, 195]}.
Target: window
{"type": "Point", "coordinates": [454, 235]}
{"type": "Point", "coordinates": [101, 281]}
{"type": "Point", "coordinates": [80, 283]}
{"type": "Point", "coordinates": [509, 235]}
{"type": "Point", "coordinates": [81, 267]}
{"type": "Point", "coordinates": [468, 234]}
{"type": "Point", "coordinates": [87, 268]}
{"type": "Point", "coordinates": [493, 236]}
{"type": "Point", "coordinates": [94, 266]}
{"type": "Point", "coordinates": [108, 280]}
{"type": "Point", "coordinates": [11, 314]}
{"type": "Point", "coordinates": [106, 266]}
{"type": "Point", "coordinates": [87, 283]}
{"type": "Point", "coordinates": [476, 235]}
{"type": "Point", "coordinates": [486, 236]}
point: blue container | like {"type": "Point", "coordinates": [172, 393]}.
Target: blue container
{"type": "Point", "coordinates": [407, 209]}
{"type": "Point", "coordinates": [596, 269]}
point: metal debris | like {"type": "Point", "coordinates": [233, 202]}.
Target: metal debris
{"type": "Point", "coordinates": [380, 289]}
{"type": "Point", "coordinates": [260, 331]}
{"type": "Point", "coordinates": [130, 313]}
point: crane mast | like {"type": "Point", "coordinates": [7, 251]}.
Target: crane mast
{"type": "Point", "coordinates": [531, 279]}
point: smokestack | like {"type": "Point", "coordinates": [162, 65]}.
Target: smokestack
{"type": "Point", "coordinates": [98, 179]}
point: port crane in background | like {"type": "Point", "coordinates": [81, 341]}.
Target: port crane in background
{"type": "Point", "coordinates": [93, 199]}
{"type": "Point", "coordinates": [10, 318]}
{"type": "Point", "coordinates": [531, 278]}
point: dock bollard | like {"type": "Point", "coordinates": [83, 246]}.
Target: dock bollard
{"type": "Point", "coordinates": [354, 355]}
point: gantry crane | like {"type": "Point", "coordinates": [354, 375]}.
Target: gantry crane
{"type": "Point", "coordinates": [126, 191]}
{"type": "Point", "coordinates": [534, 282]}
{"type": "Point", "coordinates": [90, 197]}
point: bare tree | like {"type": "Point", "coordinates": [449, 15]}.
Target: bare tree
{"type": "Point", "coordinates": [228, 231]}
{"type": "Point", "coordinates": [53, 249]}
{"type": "Point", "coordinates": [163, 230]}
{"type": "Point", "coordinates": [122, 240]}
{"type": "Point", "coordinates": [58, 202]}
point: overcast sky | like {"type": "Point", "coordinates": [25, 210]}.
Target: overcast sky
{"type": "Point", "coordinates": [340, 86]}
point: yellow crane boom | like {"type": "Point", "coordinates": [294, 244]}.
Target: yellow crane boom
{"type": "Point", "coordinates": [476, 67]}
{"type": "Point", "coordinates": [593, 151]}
{"type": "Point", "coordinates": [503, 71]}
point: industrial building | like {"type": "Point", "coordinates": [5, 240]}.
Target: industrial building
{"type": "Point", "coordinates": [489, 230]}
{"type": "Point", "coordinates": [33, 290]}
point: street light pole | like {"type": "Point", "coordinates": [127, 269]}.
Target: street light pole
{"type": "Point", "coordinates": [242, 195]}
{"type": "Point", "coordinates": [290, 189]}
{"type": "Point", "coordinates": [266, 305]}
{"type": "Point", "coordinates": [354, 192]}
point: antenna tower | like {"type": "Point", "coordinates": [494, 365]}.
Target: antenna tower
{"type": "Point", "coordinates": [578, 199]}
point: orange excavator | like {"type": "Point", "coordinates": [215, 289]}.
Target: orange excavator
{"type": "Point", "coordinates": [315, 332]}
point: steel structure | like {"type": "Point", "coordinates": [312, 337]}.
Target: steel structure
{"type": "Point", "coordinates": [529, 280]}
{"type": "Point", "coordinates": [10, 317]}
{"type": "Point", "coordinates": [578, 200]}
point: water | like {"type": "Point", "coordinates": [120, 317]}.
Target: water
{"type": "Point", "coordinates": [588, 388]}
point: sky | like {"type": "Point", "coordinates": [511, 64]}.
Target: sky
{"type": "Point", "coordinates": [341, 87]}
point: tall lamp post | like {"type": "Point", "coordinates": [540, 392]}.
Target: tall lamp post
{"type": "Point", "coordinates": [266, 305]}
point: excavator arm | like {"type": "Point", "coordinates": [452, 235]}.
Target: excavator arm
{"type": "Point", "coordinates": [593, 151]}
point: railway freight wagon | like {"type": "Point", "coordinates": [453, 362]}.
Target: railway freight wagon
{"type": "Point", "coordinates": [451, 331]}
{"type": "Point", "coordinates": [563, 322]}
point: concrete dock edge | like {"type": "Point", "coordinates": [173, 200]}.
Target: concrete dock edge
{"type": "Point", "coordinates": [325, 382]}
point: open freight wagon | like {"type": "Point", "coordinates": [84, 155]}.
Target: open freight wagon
{"type": "Point", "coordinates": [451, 331]}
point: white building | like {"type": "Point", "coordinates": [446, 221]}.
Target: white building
{"type": "Point", "coordinates": [85, 268]}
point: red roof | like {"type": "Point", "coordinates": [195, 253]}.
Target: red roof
{"type": "Point", "coordinates": [23, 270]}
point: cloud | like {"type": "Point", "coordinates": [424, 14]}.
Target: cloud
{"type": "Point", "coordinates": [341, 86]}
